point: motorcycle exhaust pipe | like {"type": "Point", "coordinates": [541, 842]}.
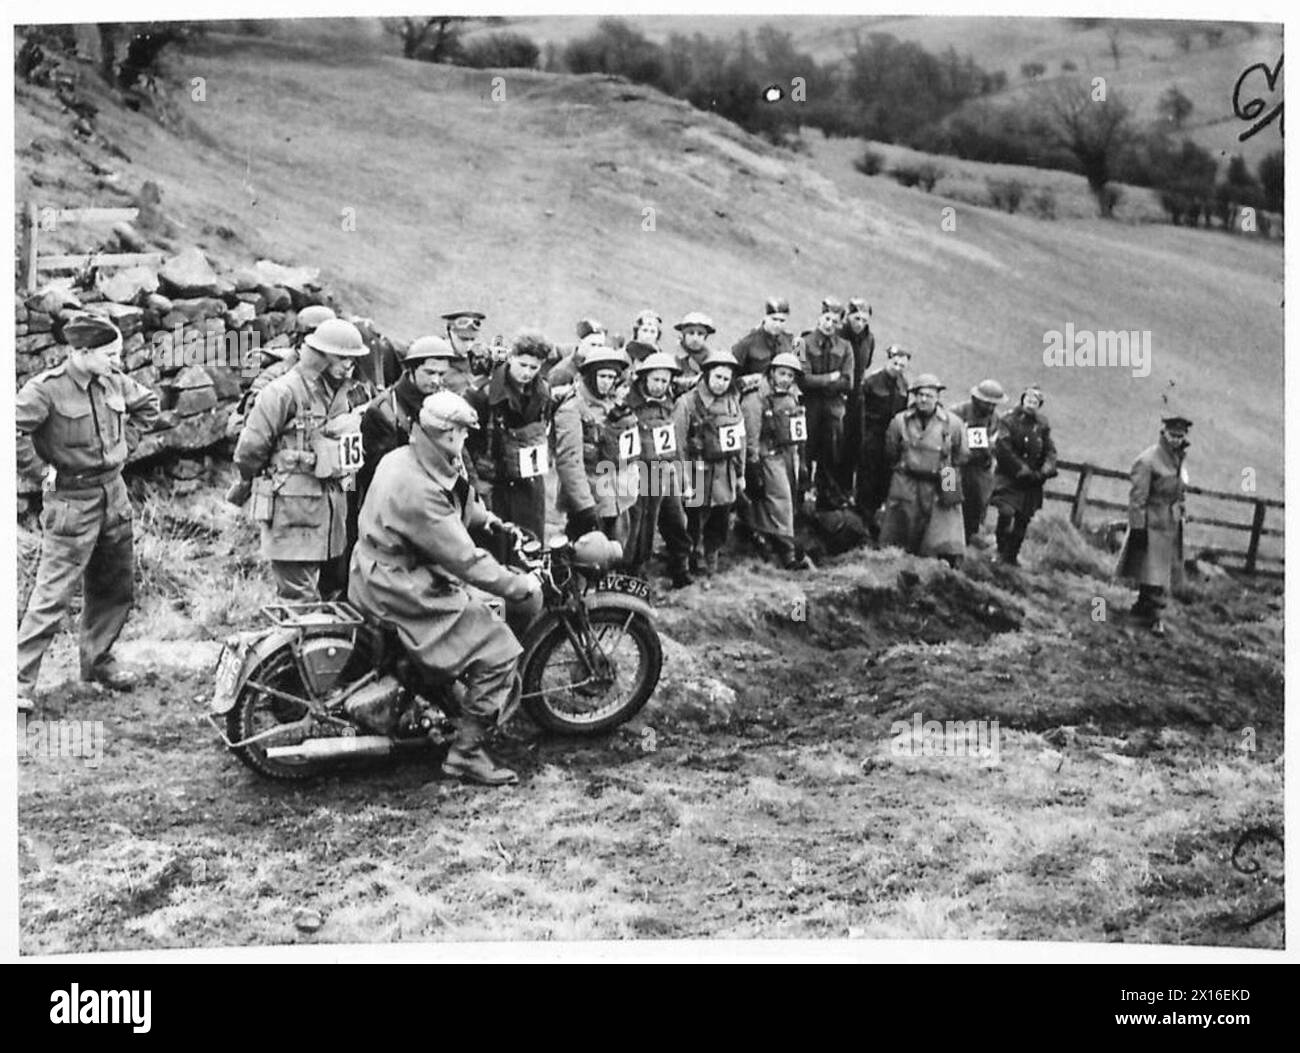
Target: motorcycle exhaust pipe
{"type": "Point", "coordinates": [330, 749]}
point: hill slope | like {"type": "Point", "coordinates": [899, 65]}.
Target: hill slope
{"type": "Point", "coordinates": [534, 210]}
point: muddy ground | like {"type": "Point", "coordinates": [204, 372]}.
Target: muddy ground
{"type": "Point", "coordinates": [766, 791]}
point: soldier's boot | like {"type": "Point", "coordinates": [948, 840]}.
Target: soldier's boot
{"type": "Point", "coordinates": [696, 561]}
{"type": "Point", "coordinates": [468, 759]}
{"type": "Point", "coordinates": [679, 574]}
{"type": "Point", "coordinates": [1002, 533]}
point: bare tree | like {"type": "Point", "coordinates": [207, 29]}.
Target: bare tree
{"type": "Point", "coordinates": [109, 35]}
{"type": "Point", "coordinates": [433, 38]}
{"type": "Point", "coordinates": [1112, 41]}
{"type": "Point", "coordinates": [1093, 130]}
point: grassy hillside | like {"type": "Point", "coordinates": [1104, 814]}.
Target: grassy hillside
{"type": "Point", "coordinates": [533, 209]}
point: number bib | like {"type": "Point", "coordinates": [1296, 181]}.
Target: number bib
{"type": "Point", "coordinates": [533, 461]}
{"type": "Point", "coordinates": [664, 438]}
{"type": "Point", "coordinates": [799, 429]}
{"type": "Point", "coordinates": [351, 456]}
{"type": "Point", "coordinates": [629, 444]}
{"type": "Point", "coordinates": [731, 437]}
{"type": "Point", "coordinates": [977, 438]}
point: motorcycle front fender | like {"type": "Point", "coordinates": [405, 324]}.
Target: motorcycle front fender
{"type": "Point", "coordinates": [620, 600]}
{"type": "Point", "coordinates": [257, 647]}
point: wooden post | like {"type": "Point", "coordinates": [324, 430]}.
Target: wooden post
{"type": "Point", "coordinates": [29, 247]}
{"type": "Point", "coordinates": [1256, 528]}
{"type": "Point", "coordinates": [1080, 502]}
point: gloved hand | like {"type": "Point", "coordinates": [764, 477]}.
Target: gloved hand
{"type": "Point", "coordinates": [523, 588]}
{"type": "Point", "coordinates": [240, 491]}
{"type": "Point", "coordinates": [1138, 535]}
{"type": "Point", "coordinates": [585, 521]}
{"type": "Point", "coordinates": [755, 487]}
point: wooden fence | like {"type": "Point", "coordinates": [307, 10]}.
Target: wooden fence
{"type": "Point", "coordinates": [31, 262]}
{"type": "Point", "coordinates": [1212, 528]}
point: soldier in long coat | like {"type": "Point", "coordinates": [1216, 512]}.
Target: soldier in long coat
{"type": "Point", "coordinates": [884, 396]}
{"type": "Point", "coordinates": [410, 568]}
{"type": "Point", "coordinates": [857, 331]}
{"type": "Point", "coordinates": [776, 431]}
{"type": "Point", "coordinates": [979, 415]}
{"type": "Point", "coordinates": [1152, 556]}
{"type": "Point", "coordinates": [1026, 459]}
{"type": "Point", "coordinates": [926, 446]}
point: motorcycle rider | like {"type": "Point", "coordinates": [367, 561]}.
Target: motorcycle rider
{"type": "Point", "coordinates": [660, 487]}
{"type": "Point", "coordinates": [597, 443]}
{"type": "Point", "coordinates": [510, 451]}
{"type": "Point", "coordinates": [386, 420]}
{"type": "Point", "coordinates": [776, 431]}
{"type": "Point", "coordinates": [412, 563]}
{"type": "Point", "coordinates": [710, 417]}
{"type": "Point", "coordinates": [298, 454]}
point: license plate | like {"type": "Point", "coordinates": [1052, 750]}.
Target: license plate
{"type": "Point", "coordinates": [625, 583]}
{"type": "Point", "coordinates": [227, 678]}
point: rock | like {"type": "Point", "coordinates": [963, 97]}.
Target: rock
{"type": "Point", "coordinates": [194, 400]}
{"type": "Point", "coordinates": [128, 238]}
{"type": "Point", "coordinates": [305, 919]}
{"type": "Point", "coordinates": [34, 343]}
{"type": "Point", "coordinates": [226, 382]}
{"type": "Point", "coordinates": [127, 318]}
{"type": "Point", "coordinates": [146, 375]}
{"type": "Point", "coordinates": [20, 312]}
{"type": "Point", "coordinates": [703, 700]}
{"type": "Point", "coordinates": [194, 310]}
{"type": "Point", "coordinates": [38, 321]}
{"type": "Point", "coordinates": [158, 302]}
{"type": "Point", "coordinates": [191, 378]}
{"type": "Point", "coordinates": [38, 363]}
{"type": "Point", "coordinates": [293, 278]}
{"type": "Point", "coordinates": [189, 274]}
{"type": "Point", "coordinates": [54, 297]}
{"type": "Point", "coordinates": [191, 433]}
{"type": "Point", "coordinates": [277, 297]}
{"type": "Point", "coordinates": [240, 315]}
{"type": "Point", "coordinates": [245, 280]}
{"type": "Point", "coordinates": [185, 468]}
{"type": "Point", "coordinates": [256, 299]}
{"type": "Point", "coordinates": [226, 289]}
{"type": "Point", "coordinates": [271, 325]}
{"type": "Point", "coordinates": [127, 285]}
{"type": "Point", "coordinates": [138, 358]}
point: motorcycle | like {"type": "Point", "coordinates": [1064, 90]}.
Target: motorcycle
{"type": "Point", "coordinates": [322, 684]}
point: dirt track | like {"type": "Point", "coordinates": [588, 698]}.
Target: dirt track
{"type": "Point", "coordinates": [757, 796]}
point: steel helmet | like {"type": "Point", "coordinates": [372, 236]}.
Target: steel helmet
{"type": "Point", "coordinates": [604, 356]}
{"type": "Point", "coordinates": [989, 391]}
{"type": "Point", "coordinates": [926, 380]}
{"type": "Point", "coordinates": [698, 318]}
{"type": "Point", "coordinates": [310, 317]}
{"type": "Point", "coordinates": [659, 360]}
{"type": "Point", "coordinates": [787, 359]}
{"type": "Point", "coordinates": [334, 336]}
{"type": "Point", "coordinates": [428, 347]}
{"type": "Point", "coordinates": [718, 357]}
{"type": "Point", "coordinates": [444, 410]}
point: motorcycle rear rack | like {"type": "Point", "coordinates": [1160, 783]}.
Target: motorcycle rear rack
{"type": "Point", "coordinates": [312, 615]}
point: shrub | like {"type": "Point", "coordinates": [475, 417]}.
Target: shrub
{"type": "Point", "coordinates": [905, 175]}
{"type": "Point", "coordinates": [501, 51]}
{"type": "Point", "coordinates": [870, 163]}
{"type": "Point", "coordinates": [1069, 66]}
{"type": "Point", "coordinates": [1045, 204]}
{"type": "Point", "coordinates": [1006, 194]}
{"type": "Point", "coordinates": [924, 174]}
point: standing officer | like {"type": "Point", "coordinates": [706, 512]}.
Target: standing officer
{"type": "Point", "coordinates": [826, 382]}
{"type": "Point", "coordinates": [979, 414]}
{"type": "Point", "coordinates": [386, 421]}
{"type": "Point", "coordinates": [660, 489]}
{"type": "Point", "coordinates": [74, 419]}
{"type": "Point", "coordinates": [776, 428]}
{"type": "Point", "coordinates": [510, 451]}
{"type": "Point", "coordinates": [410, 569]}
{"type": "Point", "coordinates": [857, 331]}
{"type": "Point", "coordinates": [300, 448]}
{"type": "Point", "coordinates": [926, 447]}
{"type": "Point", "coordinates": [884, 396]}
{"type": "Point", "coordinates": [755, 350]}
{"type": "Point", "coordinates": [1026, 459]}
{"type": "Point", "coordinates": [1152, 556]}
{"type": "Point", "coordinates": [710, 418]}
{"type": "Point", "coordinates": [473, 360]}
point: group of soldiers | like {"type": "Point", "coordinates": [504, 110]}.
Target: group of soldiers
{"type": "Point", "coordinates": [645, 438]}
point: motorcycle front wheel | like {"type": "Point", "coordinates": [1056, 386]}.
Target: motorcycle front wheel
{"type": "Point", "coordinates": [580, 683]}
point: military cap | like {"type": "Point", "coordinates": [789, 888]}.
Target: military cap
{"type": "Point", "coordinates": [776, 305]}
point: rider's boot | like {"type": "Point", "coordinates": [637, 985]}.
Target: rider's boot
{"type": "Point", "coordinates": [469, 760]}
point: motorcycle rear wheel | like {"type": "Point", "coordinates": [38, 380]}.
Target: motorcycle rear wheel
{"type": "Point", "coordinates": [628, 641]}
{"type": "Point", "coordinates": [256, 711]}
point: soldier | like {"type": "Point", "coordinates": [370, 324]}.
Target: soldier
{"type": "Point", "coordinates": [597, 443]}
{"type": "Point", "coordinates": [647, 328]}
{"type": "Point", "coordinates": [755, 350]}
{"type": "Point", "coordinates": [710, 418]}
{"type": "Point", "coordinates": [300, 448]}
{"type": "Point", "coordinates": [410, 570]}
{"type": "Point", "coordinates": [277, 360]}
{"type": "Point", "coordinates": [509, 452]}
{"type": "Point", "coordinates": [776, 429]}
{"type": "Point", "coordinates": [696, 328]}
{"type": "Point", "coordinates": [386, 420]}
{"type": "Point", "coordinates": [857, 331]}
{"type": "Point", "coordinates": [473, 361]}
{"type": "Point", "coordinates": [884, 396]}
{"type": "Point", "coordinates": [660, 487]}
{"type": "Point", "coordinates": [826, 382]}
{"type": "Point", "coordinates": [1152, 556]}
{"type": "Point", "coordinates": [926, 448]}
{"type": "Point", "coordinates": [1026, 458]}
{"type": "Point", "coordinates": [77, 420]}
{"type": "Point", "coordinates": [979, 414]}
{"type": "Point", "coordinates": [566, 371]}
